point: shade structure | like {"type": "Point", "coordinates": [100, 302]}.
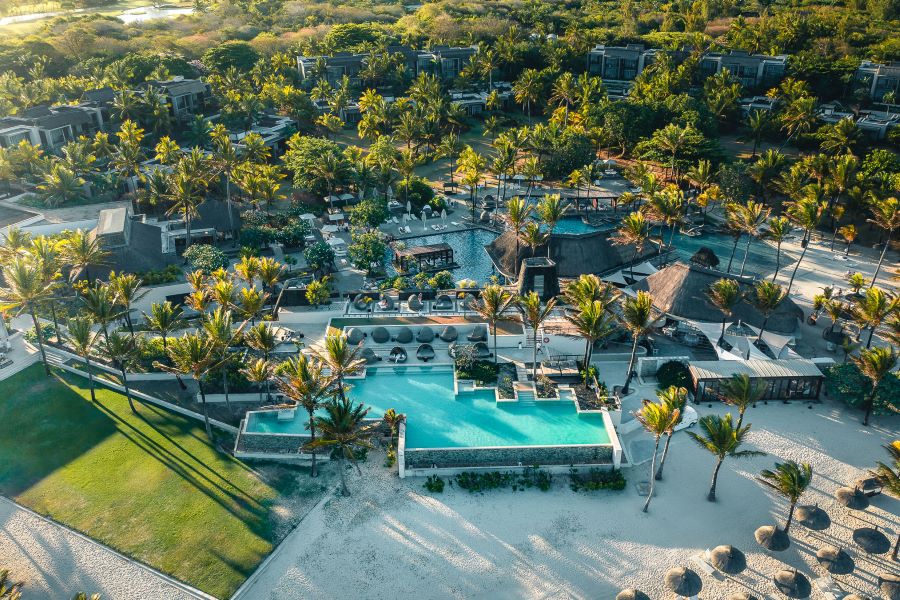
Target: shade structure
{"type": "Point", "coordinates": [479, 334]}
{"type": "Point", "coordinates": [856, 597]}
{"type": "Point", "coordinates": [792, 584]}
{"type": "Point", "coordinates": [380, 335]}
{"type": "Point", "coordinates": [354, 335]}
{"type": "Point", "coordinates": [835, 560]}
{"type": "Point", "coordinates": [404, 335]}
{"type": "Point", "coordinates": [369, 356]}
{"type": "Point", "coordinates": [728, 559]}
{"type": "Point", "coordinates": [772, 538]}
{"type": "Point", "coordinates": [449, 334]}
{"type": "Point", "coordinates": [852, 498]}
{"type": "Point", "coordinates": [812, 517]}
{"type": "Point", "coordinates": [741, 596]}
{"type": "Point", "coordinates": [889, 585]}
{"type": "Point", "coordinates": [425, 352]}
{"type": "Point", "coordinates": [425, 335]}
{"type": "Point", "coordinates": [871, 540]}
{"type": "Point", "coordinates": [632, 594]}
{"type": "Point", "coordinates": [683, 581]}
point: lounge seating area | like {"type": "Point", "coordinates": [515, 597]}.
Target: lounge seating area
{"type": "Point", "coordinates": [394, 303]}
{"type": "Point", "coordinates": [398, 343]}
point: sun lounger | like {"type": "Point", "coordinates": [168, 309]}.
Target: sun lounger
{"type": "Point", "coordinates": [482, 350]}
{"type": "Point", "coordinates": [443, 302]}
{"type": "Point", "coordinates": [479, 334]}
{"type": "Point", "coordinates": [426, 334]}
{"type": "Point", "coordinates": [425, 352]}
{"type": "Point", "coordinates": [703, 562]}
{"type": "Point", "coordinates": [397, 355]}
{"type": "Point", "coordinates": [828, 587]}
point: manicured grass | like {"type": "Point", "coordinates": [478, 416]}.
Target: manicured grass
{"type": "Point", "coordinates": [149, 485]}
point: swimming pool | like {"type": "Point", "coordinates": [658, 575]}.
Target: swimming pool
{"type": "Point", "coordinates": [438, 418]}
{"type": "Point", "coordinates": [576, 226]}
{"type": "Point", "coordinates": [468, 252]}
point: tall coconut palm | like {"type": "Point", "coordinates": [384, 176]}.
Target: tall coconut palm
{"type": "Point", "coordinates": [721, 439]}
{"type": "Point", "coordinates": [588, 288]}
{"type": "Point", "coordinates": [657, 419]}
{"type": "Point", "coordinates": [889, 476]}
{"type": "Point", "coordinates": [742, 392]}
{"type": "Point", "coordinates": [668, 207]}
{"type": "Point", "coordinates": [25, 290]}
{"type": "Point", "coordinates": [342, 358]}
{"type": "Point", "coordinates": [885, 215]}
{"type": "Point", "coordinates": [533, 314]}
{"type": "Point", "coordinates": [875, 364]}
{"type": "Point", "coordinates": [789, 479]}
{"type": "Point", "coordinates": [753, 216]}
{"type": "Point", "coordinates": [251, 302]}
{"type": "Point", "coordinates": [60, 186]}
{"type": "Point", "coordinates": [725, 294]}
{"type": "Point", "coordinates": [261, 338]}
{"type": "Point", "coordinates": [766, 298]}
{"type": "Point", "coordinates": [193, 354]}
{"type": "Point", "coordinates": [226, 160]}
{"type": "Point", "coordinates": [185, 195]}
{"type": "Point", "coordinates": [805, 213]}
{"type": "Point", "coordinates": [84, 250]}
{"type": "Point", "coordinates": [127, 289]}
{"type": "Point", "coordinates": [564, 93]}
{"type": "Point", "coordinates": [533, 236]}
{"type": "Point", "coordinates": [873, 309]}
{"type": "Point", "coordinates": [258, 371]}
{"type": "Point", "coordinates": [517, 213]}
{"type": "Point", "coordinates": [164, 318]}
{"type": "Point", "coordinates": [593, 322]}
{"type": "Point", "coordinates": [122, 351]}
{"type": "Point", "coordinates": [527, 89]}
{"type": "Point", "coordinates": [99, 302]}
{"type": "Point", "coordinates": [84, 341]}
{"type": "Point", "coordinates": [343, 428]}
{"type": "Point", "coordinates": [492, 306]}
{"type": "Point", "coordinates": [218, 326]}
{"type": "Point", "coordinates": [849, 233]}
{"type": "Point", "coordinates": [634, 230]}
{"type": "Point", "coordinates": [637, 317]}
{"type": "Point", "coordinates": [675, 398]}
{"type": "Point", "coordinates": [550, 210]}
{"type": "Point", "coordinates": [450, 148]}
{"type": "Point", "coordinates": [779, 229]}
{"type": "Point", "coordinates": [303, 381]}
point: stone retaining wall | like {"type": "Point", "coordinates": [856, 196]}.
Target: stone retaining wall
{"type": "Point", "coordinates": [424, 458]}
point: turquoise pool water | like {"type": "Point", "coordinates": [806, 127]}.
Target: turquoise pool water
{"type": "Point", "coordinates": [468, 252]}
{"type": "Point", "coordinates": [437, 418]}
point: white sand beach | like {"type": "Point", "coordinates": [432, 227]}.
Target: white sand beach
{"type": "Point", "coordinates": [393, 539]}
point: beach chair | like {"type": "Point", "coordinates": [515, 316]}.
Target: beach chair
{"type": "Point", "coordinates": [830, 590]}
{"type": "Point", "coordinates": [702, 561]}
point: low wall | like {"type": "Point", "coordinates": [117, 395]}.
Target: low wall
{"type": "Point", "coordinates": [443, 458]}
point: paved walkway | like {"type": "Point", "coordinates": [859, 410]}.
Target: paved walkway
{"type": "Point", "coordinates": [55, 562]}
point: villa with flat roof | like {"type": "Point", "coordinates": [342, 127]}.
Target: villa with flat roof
{"type": "Point", "coordinates": [444, 61]}
{"type": "Point", "coordinates": [751, 70]}
{"type": "Point", "coordinates": [879, 78]}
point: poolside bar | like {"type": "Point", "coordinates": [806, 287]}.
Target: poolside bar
{"type": "Point", "coordinates": [433, 257]}
{"type": "Point", "coordinates": [785, 379]}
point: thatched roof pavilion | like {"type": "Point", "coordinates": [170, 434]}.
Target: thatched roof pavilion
{"type": "Point", "coordinates": [574, 255]}
{"type": "Point", "coordinates": [680, 291]}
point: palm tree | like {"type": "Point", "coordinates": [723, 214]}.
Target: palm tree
{"type": "Point", "coordinates": [588, 288]}
{"type": "Point", "coordinates": [122, 351]}
{"type": "Point", "coordinates": [885, 215]}
{"type": "Point", "coordinates": [258, 371]}
{"type": "Point", "coordinates": [789, 479]}
{"type": "Point", "coordinates": [127, 289]}
{"type": "Point", "coordinates": [634, 230]}
{"type": "Point", "coordinates": [9, 590]}
{"type": "Point", "coordinates": [766, 298]}
{"type": "Point", "coordinates": [393, 419]}
{"type": "Point", "coordinates": [550, 210]}
{"type": "Point", "coordinates": [303, 381]}
{"type": "Point", "coordinates": [757, 124]}
{"type": "Point", "coordinates": [657, 419]}
{"type": "Point", "coordinates": [26, 289]}
{"type": "Point", "coordinates": [849, 233]}
{"type": "Point", "coordinates": [779, 229]}
{"type": "Point", "coordinates": [82, 249]}
{"type": "Point", "coordinates": [185, 195]}
{"type": "Point", "coordinates": [725, 294]}
{"type": "Point", "coordinates": [668, 207]}
{"type": "Point", "coordinates": [533, 315]}
{"type": "Point", "coordinates": [564, 93]}
{"type": "Point", "coordinates": [753, 215]}
{"type": "Point", "coordinates": [193, 354]}
{"type": "Point", "coordinates": [491, 306]}
{"type": "Point", "coordinates": [164, 318]}
{"type": "Point", "coordinates": [806, 214]}
{"type": "Point", "coordinates": [100, 302]}
{"type": "Point", "coordinates": [343, 428]}
{"type": "Point", "coordinates": [593, 322]}
{"type": "Point", "coordinates": [532, 236]}
{"type": "Point", "coordinates": [252, 301]}
{"type": "Point", "coordinates": [60, 186]}
{"type": "Point", "coordinates": [226, 159]}
{"type": "Point", "coordinates": [889, 476]}
{"type": "Point", "coordinates": [873, 309]}
{"type": "Point", "coordinates": [517, 213]}
{"type": "Point", "coordinates": [218, 326]}
{"type": "Point", "coordinates": [875, 364]}
{"type": "Point", "coordinates": [742, 392]}
{"type": "Point", "coordinates": [721, 439]}
{"type": "Point", "coordinates": [450, 148]}
{"type": "Point", "coordinates": [637, 317]}
{"type": "Point", "coordinates": [341, 358]}
{"type": "Point", "coordinates": [527, 89]}
{"type": "Point", "coordinates": [675, 398]}
{"type": "Point", "coordinates": [84, 341]}
{"type": "Point", "coordinates": [261, 337]}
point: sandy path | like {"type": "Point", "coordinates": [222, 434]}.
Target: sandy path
{"type": "Point", "coordinates": [394, 540]}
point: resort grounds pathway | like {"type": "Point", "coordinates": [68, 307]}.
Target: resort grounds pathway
{"type": "Point", "coordinates": [55, 562]}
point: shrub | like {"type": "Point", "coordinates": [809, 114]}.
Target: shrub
{"type": "Point", "coordinates": [418, 194]}
{"type": "Point", "coordinates": [47, 331]}
{"type": "Point", "coordinates": [442, 280]}
{"type": "Point", "coordinates": [483, 372]}
{"type": "Point", "coordinates": [205, 257]}
{"type": "Point", "coordinates": [545, 387]}
{"type": "Point", "coordinates": [434, 484]}
{"type": "Point", "coordinates": [673, 373]}
{"type": "Point", "coordinates": [169, 274]}
{"type": "Point", "coordinates": [319, 256]}
{"type": "Point", "coordinates": [528, 478]}
{"type": "Point", "coordinates": [391, 459]}
{"type": "Point", "coordinates": [596, 479]}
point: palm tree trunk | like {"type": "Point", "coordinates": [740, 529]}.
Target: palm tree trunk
{"type": "Point", "coordinates": [847, 251]}
{"type": "Point", "coordinates": [56, 322]}
{"type": "Point", "coordinates": [344, 490]}
{"type": "Point", "coordinates": [209, 433]}
{"type": "Point", "coordinates": [534, 357]}
{"type": "Point", "coordinates": [630, 366]}
{"type": "Point", "coordinates": [722, 335]}
{"type": "Point", "coordinates": [127, 390]}
{"type": "Point", "coordinates": [494, 327]}
{"type": "Point", "coordinates": [711, 496]}
{"type": "Point", "coordinates": [871, 333]}
{"type": "Point", "coordinates": [790, 517]}
{"type": "Point", "coordinates": [762, 329]}
{"type": "Point", "coordinates": [40, 340]}
{"type": "Point", "coordinates": [225, 388]}
{"type": "Point", "coordinates": [746, 254]}
{"type": "Point", "coordinates": [740, 418]}
{"type": "Point", "coordinates": [870, 403]}
{"type": "Point", "coordinates": [777, 261]}
{"type": "Point", "coordinates": [797, 266]}
{"type": "Point", "coordinates": [652, 479]}
{"type": "Point", "coordinates": [662, 462]}
{"type": "Point", "coordinates": [733, 250]}
{"type": "Point", "coordinates": [313, 472]}
{"type": "Point", "coordinates": [896, 548]}
{"type": "Point", "coordinates": [87, 361]}
{"type": "Point", "coordinates": [887, 244]}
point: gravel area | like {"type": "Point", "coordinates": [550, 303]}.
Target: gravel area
{"type": "Point", "coordinates": [392, 539]}
{"type": "Point", "coordinates": [56, 563]}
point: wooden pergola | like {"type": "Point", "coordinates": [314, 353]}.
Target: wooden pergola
{"type": "Point", "coordinates": [433, 257]}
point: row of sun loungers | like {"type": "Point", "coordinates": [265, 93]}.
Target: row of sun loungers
{"type": "Point", "coordinates": [443, 302]}
{"type": "Point", "coordinates": [424, 336]}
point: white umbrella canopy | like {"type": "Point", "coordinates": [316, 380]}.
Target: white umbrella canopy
{"type": "Point", "coordinates": [389, 192]}
{"type": "Point", "coordinates": [408, 206]}
{"type": "Point", "coordinates": [424, 220]}
{"type": "Point", "coordinates": [443, 214]}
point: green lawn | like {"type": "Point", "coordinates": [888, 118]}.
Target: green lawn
{"type": "Point", "coordinates": [148, 485]}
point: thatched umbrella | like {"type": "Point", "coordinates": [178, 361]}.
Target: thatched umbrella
{"type": "Point", "coordinates": [792, 583]}
{"type": "Point", "coordinates": [632, 594]}
{"type": "Point", "coordinates": [380, 335]}
{"type": "Point", "coordinates": [728, 559]}
{"type": "Point", "coordinates": [835, 560]}
{"type": "Point", "coordinates": [355, 336]}
{"type": "Point", "coordinates": [772, 538]}
{"type": "Point", "coordinates": [890, 586]}
{"type": "Point", "coordinates": [683, 581]}
{"type": "Point", "coordinates": [740, 596]}
{"type": "Point", "coordinates": [404, 335]}
{"type": "Point", "coordinates": [852, 498]}
{"type": "Point", "coordinates": [812, 517]}
{"type": "Point", "coordinates": [871, 540]}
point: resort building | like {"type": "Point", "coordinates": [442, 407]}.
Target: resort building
{"type": "Point", "coordinates": [185, 97]}
{"type": "Point", "coordinates": [879, 78]}
{"type": "Point", "coordinates": [757, 103]}
{"type": "Point", "coordinates": [444, 61]}
{"type": "Point", "coordinates": [792, 379]}
{"type": "Point", "coordinates": [751, 70]}
{"type": "Point", "coordinates": [50, 127]}
{"type": "Point", "coordinates": [875, 123]}
{"type": "Point", "coordinates": [274, 129]}
{"type": "Point", "coordinates": [332, 68]}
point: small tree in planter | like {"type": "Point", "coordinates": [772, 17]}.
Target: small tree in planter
{"type": "Point", "coordinates": [673, 373]}
{"type": "Point", "coordinates": [318, 292]}
{"type": "Point", "coordinates": [206, 258]}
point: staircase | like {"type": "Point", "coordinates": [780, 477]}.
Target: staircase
{"type": "Point", "coordinates": [525, 396]}
{"type": "Point", "coordinates": [530, 337]}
